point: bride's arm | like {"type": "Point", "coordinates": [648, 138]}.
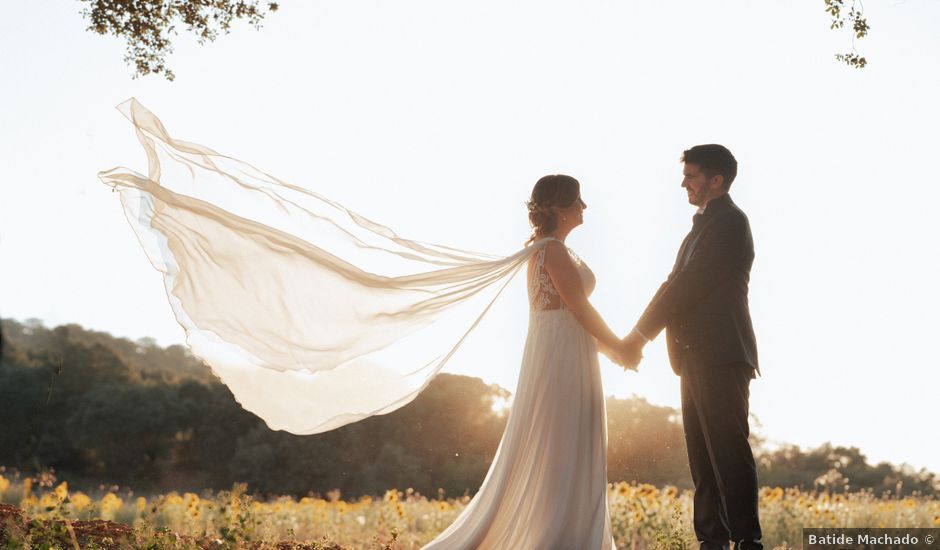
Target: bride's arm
{"type": "Point", "coordinates": [567, 282]}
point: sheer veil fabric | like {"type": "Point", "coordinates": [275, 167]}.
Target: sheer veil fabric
{"type": "Point", "coordinates": [313, 316]}
{"type": "Point", "coordinates": [316, 317]}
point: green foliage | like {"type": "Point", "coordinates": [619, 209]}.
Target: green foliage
{"type": "Point", "coordinates": [859, 24]}
{"type": "Point", "coordinates": [143, 359]}
{"type": "Point", "coordinates": [147, 26]}
{"type": "Point", "coordinates": [839, 469]}
{"type": "Point", "coordinates": [100, 409]}
{"type": "Point", "coordinates": [678, 536]}
{"type": "Point", "coordinates": [645, 444]}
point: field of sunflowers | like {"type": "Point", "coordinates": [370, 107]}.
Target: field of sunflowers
{"type": "Point", "coordinates": [642, 516]}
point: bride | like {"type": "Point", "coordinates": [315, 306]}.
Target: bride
{"type": "Point", "coordinates": [315, 317]}
{"type": "Point", "coordinates": [547, 486]}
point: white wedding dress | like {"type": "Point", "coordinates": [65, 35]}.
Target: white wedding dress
{"type": "Point", "coordinates": [547, 486]}
{"type": "Point", "coordinates": [316, 317]}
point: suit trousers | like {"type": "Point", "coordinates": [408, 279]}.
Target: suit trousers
{"type": "Point", "coordinates": [715, 419]}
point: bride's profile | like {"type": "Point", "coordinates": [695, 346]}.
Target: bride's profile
{"type": "Point", "coordinates": [315, 317]}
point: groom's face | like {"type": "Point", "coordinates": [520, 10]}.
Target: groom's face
{"type": "Point", "coordinates": [699, 186]}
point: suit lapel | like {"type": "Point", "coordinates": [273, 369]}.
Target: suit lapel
{"type": "Point", "coordinates": [683, 248]}
{"type": "Point", "coordinates": [692, 241]}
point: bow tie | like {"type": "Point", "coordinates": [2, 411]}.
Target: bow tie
{"type": "Point", "coordinates": [697, 218]}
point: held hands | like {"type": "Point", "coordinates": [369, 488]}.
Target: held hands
{"type": "Point", "coordinates": [628, 353]}
{"type": "Point", "coordinates": [631, 351]}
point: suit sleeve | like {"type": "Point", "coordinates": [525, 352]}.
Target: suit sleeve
{"type": "Point", "coordinates": [722, 247]}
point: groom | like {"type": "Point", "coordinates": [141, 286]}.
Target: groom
{"type": "Point", "coordinates": [703, 307]}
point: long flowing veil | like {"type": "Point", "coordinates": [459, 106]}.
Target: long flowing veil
{"type": "Point", "coordinates": [312, 315]}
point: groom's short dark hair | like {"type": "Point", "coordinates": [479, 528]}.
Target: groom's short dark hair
{"type": "Point", "coordinates": [713, 159]}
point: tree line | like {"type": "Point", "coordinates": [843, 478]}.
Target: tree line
{"type": "Point", "coordinates": [105, 410]}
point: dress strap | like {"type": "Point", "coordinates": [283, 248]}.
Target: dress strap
{"type": "Point", "coordinates": [542, 293]}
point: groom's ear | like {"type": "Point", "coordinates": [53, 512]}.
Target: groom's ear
{"type": "Point", "coordinates": [717, 181]}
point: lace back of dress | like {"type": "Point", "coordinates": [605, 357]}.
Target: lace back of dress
{"type": "Point", "coordinates": [542, 293]}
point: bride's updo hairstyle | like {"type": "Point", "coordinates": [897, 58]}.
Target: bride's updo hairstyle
{"type": "Point", "coordinates": [549, 194]}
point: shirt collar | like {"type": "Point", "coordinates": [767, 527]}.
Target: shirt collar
{"type": "Point", "coordinates": [716, 203]}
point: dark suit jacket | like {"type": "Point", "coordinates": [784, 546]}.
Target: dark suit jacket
{"type": "Point", "coordinates": [703, 303]}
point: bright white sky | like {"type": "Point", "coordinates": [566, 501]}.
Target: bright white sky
{"type": "Point", "coordinates": [436, 118]}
